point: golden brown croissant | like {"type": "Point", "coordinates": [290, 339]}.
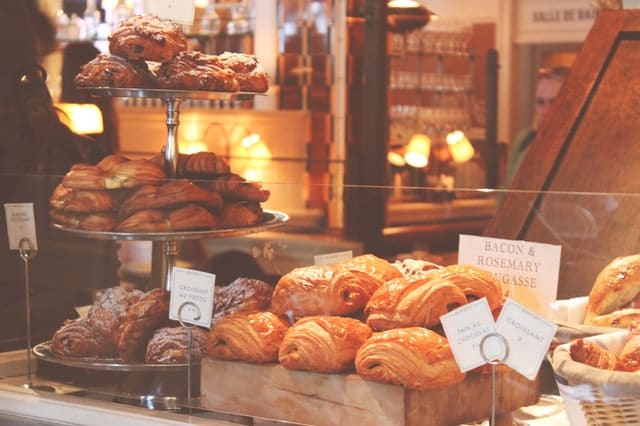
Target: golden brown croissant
{"type": "Point", "coordinates": [475, 282]}
{"type": "Point", "coordinates": [142, 318]}
{"type": "Point", "coordinates": [126, 174]}
{"type": "Point", "coordinates": [319, 290]}
{"type": "Point", "coordinates": [372, 270]}
{"type": "Point", "coordinates": [201, 165]}
{"type": "Point", "coordinates": [415, 357]}
{"type": "Point", "coordinates": [82, 201]}
{"type": "Point", "coordinates": [415, 268]}
{"type": "Point", "coordinates": [101, 221]}
{"type": "Point", "coordinates": [169, 195]}
{"type": "Point", "coordinates": [614, 299]}
{"type": "Point", "coordinates": [325, 344]}
{"type": "Point", "coordinates": [188, 217]}
{"type": "Point", "coordinates": [590, 353]}
{"type": "Point", "coordinates": [240, 213]}
{"type": "Point", "coordinates": [147, 37]}
{"type": "Point", "coordinates": [247, 336]}
{"type": "Point", "coordinates": [234, 187]}
{"type": "Point", "coordinates": [241, 295]}
{"type": "Point", "coordinates": [403, 302]}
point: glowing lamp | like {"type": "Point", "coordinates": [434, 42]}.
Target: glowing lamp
{"type": "Point", "coordinates": [418, 150]}
{"type": "Point", "coordinates": [460, 147]}
{"type": "Point", "coordinates": [85, 119]}
{"type": "Point", "coordinates": [406, 15]}
{"type": "Point", "coordinates": [252, 151]}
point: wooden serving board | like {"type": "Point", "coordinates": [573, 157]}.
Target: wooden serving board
{"type": "Point", "coordinates": [273, 392]}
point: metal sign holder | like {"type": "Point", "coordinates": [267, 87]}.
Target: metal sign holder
{"type": "Point", "coordinates": [189, 328]}
{"type": "Point", "coordinates": [494, 362]}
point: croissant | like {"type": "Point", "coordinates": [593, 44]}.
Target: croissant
{"type": "Point", "coordinates": [241, 295]}
{"type": "Point", "coordinates": [325, 344]}
{"type": "Point", "coordinates": [414, 357]}
{"type": "Point", "coordinates": [615, 296]}
{"type": "Point", "coordinates": [403, 302]}
{"type": "Point", "coordinates": [110, 307]}
{"type": "Point", "coordinates": [168, 195]}
{"type": "Point", "coordinates": [76, 338]}
{"type": "Point", "coordinates": [247, 336]}
{"type": "Point", "coordinates": [119, 174]}
{"type": "Point", "coordinates": [370, 269]}
{"type": "Point", "coordinates": [170, 345]}
{"type": "Point", "coordinates": [101, 221]}
{"type": "Point", "coordinates": [236, 188]}
{"type": "Point", "coordinates": [475, 282]}
{"type": "Point", "coordinates": [319, 290]}
{"type": "Point", "coordinates": [189, 217]}
{"type": "Point", "coordinates": [629, 356]}
{"type": "Point", "coordinates": [590, 353]}
{"type": "Point", "coordinates": [82, 201]}
{"type": "Point", "coordinates": [415, 268]}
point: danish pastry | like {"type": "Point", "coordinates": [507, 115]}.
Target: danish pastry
{"type": "Point", "coordinates": [193, 70]}
{"type": "Point", "coordinates": [142, 318]}
{"type": "Point", "coordinates": [241, 295]}
{"type": "Point", "coordinates": [614, 299]}
{"type": "Point", "coordinates": [415, 357]}
{"type": "Point", "coordinates": [109, 308]}
{"type": "Point", "coordinates": [325, 344]}
{"type": "Point", "coordinates": [249, 73]}
{"type": "Point", "coordinates": [319, 290]}
{"type": "Point", "coordinates": [106, 70]}
{"type": "Point", "coordinates": [170, 345]}
{"type": "Point", "coordinates": [146, 37]}
{"type": "Point", "coordinates": [247, 336]}
{"type": "Point", "coordinates": [76, 338]}
{"type": "Point", "coordinates": [403, 302]}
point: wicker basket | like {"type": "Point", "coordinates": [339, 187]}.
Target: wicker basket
{"type": "Point", "coordinates": [593, 396]}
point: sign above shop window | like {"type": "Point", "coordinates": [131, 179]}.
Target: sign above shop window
{"type": "Point", "coordinates": [549, 21]}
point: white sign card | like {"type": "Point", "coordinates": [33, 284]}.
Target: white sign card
{"type": "Point", "coordinates": [530, 270]}
{"type": "Point", "coordinates": [181, 11]}
{"type": "Point", "coordinates": [465, 328]}
{"type": "Point", "coordinates": [528, 336]}
{"type": "Point", "coordinates": [191, 296]}
{"type": "Point", "coordinates": [332, 258]}
{"type": "Point", "coordinates": [21, 224]}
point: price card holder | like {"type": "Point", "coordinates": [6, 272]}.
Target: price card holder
{"type": "Point", "coordinates": [191, 304]}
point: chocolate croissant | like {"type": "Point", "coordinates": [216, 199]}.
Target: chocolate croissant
{"type": "Point", "coordinates": [415, 357]}
{"type": "Point", "coordinates": [247, 336]}
{"type": "Point", "coordinates": [319, 290]}
{"type": "Point", "coordinates": [403, 302]}
{"type": "Point", "coordinates": [325, 344]}
{"type": "Point", "coordinates": [370, 269]}
{"type": "Point", "coordinates": [170, 345]}
{"type": "Point", "coordinates": [77, 338]}
{"type": "Point", "coordinates": [614, 299]}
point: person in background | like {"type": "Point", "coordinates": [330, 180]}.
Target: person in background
{"type": "Point", "coordinates": [549, 81]}
{"type": "Point", "coordinates": [36, 150]}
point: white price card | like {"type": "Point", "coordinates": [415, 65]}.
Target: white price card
{"type": "Point", "coordinates": [181, 11]}
{"type": "Point", "coordinates": [332, 258]}
{"type": "Point", "coordinates": [529, 270]}
{"type": "Point", "coordinates": [21, 224]}
{"type": "Point", "coordinates": [465, 328]}
{"type": "Point", "coordinates": [528, 337]}
{"type": "Point", "coordinates": [191, 296]}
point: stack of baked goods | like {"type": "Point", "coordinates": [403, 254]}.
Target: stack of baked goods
{"type": "Point", "coordinates": [589, 352]}
{"type": "Point", "coordinates": [148, 52]}
{"type": "Point", "coordinates": [363, 315]}
{"type": "Point", "coordinates": [123, 195]}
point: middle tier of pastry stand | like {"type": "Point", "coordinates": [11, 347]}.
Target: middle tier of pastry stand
{"type": "Point", "coordinates": [164, 252]}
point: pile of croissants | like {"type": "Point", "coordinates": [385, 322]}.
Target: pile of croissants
{"type": "Point", "coordinates": [366, 314]}
{"type": "Point", "coordinates": [123, 195]}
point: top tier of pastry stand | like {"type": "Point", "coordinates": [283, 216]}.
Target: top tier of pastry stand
{"type": "Point", "coordinates": [165, 243]}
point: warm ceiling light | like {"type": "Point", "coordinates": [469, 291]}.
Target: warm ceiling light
{"type": "Point", "coordinates": [395, 157]}
{"type": "Point", "coordinates": [418, 150]}
{"type": "Point", "coordinates": [85, 119]}
{"type": "Point", "coordinates": [460, 147]}
{"type": "Point", "coordinates": [406, 15]}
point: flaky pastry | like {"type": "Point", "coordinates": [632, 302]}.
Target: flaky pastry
{"type": "Point", "coordinates": [147, 37]}
{"type": "Point", "coordinates": [247, 336]}
{"type": "Point", "coordinates": [326, 344]}
{"type": "Point", "coordinates": [415, 357]}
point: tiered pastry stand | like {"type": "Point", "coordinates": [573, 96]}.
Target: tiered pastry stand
{"type": "Point", "coordinates": [164, 243]}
